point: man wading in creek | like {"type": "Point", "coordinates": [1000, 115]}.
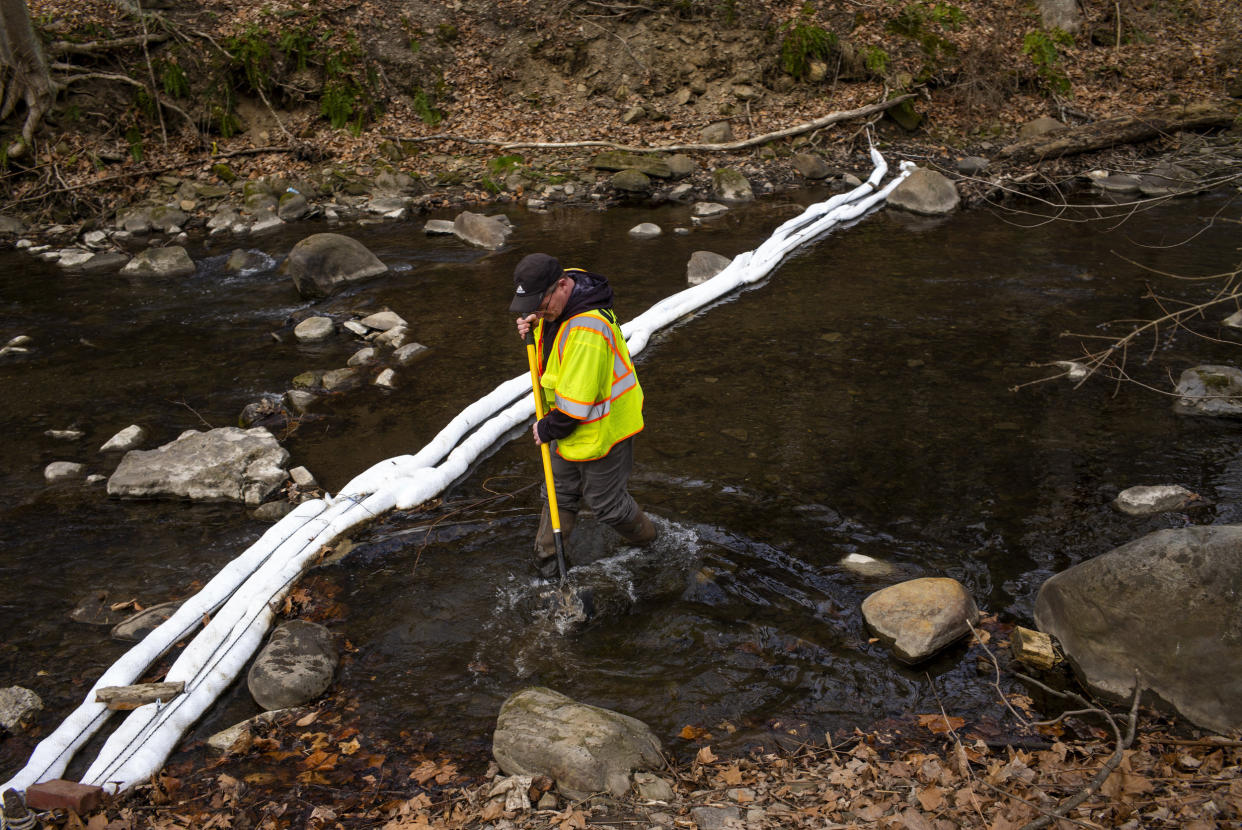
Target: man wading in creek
{"type": "Point", "coordinates": [594, 402]}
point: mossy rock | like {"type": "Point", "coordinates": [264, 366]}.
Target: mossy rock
{"type": "Point", "coordinates": [631, 181]}
{"type": "Point", "coordinates": [223, 172]}
{"type": "Point", "coordinates": [905, 115]}
{"type": "Point", "coordinates": [618, 160]}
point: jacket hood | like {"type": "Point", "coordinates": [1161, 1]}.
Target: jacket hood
{"type": "Point", "coordinates": [590, 291]}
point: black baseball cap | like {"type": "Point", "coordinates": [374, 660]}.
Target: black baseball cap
{"type": "Point", "coordinates": [532, 277]}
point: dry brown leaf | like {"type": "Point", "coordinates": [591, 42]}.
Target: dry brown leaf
{"type": "Point", "coordinates": [939, 724]}
{"type": "Point", "coordinates": [705, 756]}
{"type": "Point", "coordinates": [349, 747]}
{"type": "Point", "coordinates": [932, 798]}
{"type": "Point", "coordinates": [307, 720]}
{"type": "Point", "coordinates": [694, 733]}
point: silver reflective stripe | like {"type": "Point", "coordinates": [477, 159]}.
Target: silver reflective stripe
{"type": "Point", "coordinates": [623, 377]}
{"type": "Point", "coordinates": [583, 411]}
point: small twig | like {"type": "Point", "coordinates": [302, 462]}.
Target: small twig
{"type": "Point", "coordinates": [1123, 743]}
{"type": "Point", "coordinates": [195, 411]}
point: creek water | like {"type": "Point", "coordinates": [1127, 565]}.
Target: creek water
{"type": "Point", "coordinates": [857, 401]}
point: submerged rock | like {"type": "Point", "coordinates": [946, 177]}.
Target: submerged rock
{"type": "Point", "coordinates": [224, 464]}
{"type": "Point", "coordinates": [296, 666]}
{"type": "Point", "coordinates": [138, 626]}
{"type": "Point", "coordinates": [1167, 606]}
{"type": "Point", "coordinates": [241, 734]}
{"type": "Point", "coordinates": [919, 617]}
{"type": "Point", "coordinates": [584, 749]}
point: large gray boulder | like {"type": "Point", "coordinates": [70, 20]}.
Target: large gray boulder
{"type": "Point", "coordinates": [324, 262]}
{"type": "Point", "coordinates": [1210, 390]}
{"type": "Point", "coordinates": [172, 261]}
{"type": "Point", "coordinates": [1168, 605]}
{"type": "Point", "coordinates": [296, 666]}
{"type": "Point", "coordinates": [484, 231]}
{"type": "Point", "coordinates": [225, 464]}
{"type": "Point", "coordinates": [919, 617]}
{"type": "Point", "coordinates": [926, 192]}
{"type": "Point", "coordinates": [585, 749]}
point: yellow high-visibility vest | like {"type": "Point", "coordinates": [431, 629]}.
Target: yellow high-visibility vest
{"type": "Point", "coordinates": [589, 376]}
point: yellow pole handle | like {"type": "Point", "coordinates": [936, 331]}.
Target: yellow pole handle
{"type": "Point", "coordinates": [532, 358]}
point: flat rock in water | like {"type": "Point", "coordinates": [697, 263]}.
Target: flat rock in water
{"type": "Point", "coordinates": [919, 617]}
{"type": "Point", "coordinates": [139, 625]}
{"type": "Point", "coordinates": [224, 464]}
{"type": "Point", "coordinates": [1150, 500]}
{"type": "Point", "coordinates": [645, 230]}
{"type": "Point", "coordinates": [173, 261]}
{"type": "Point", "coordinates": [409, 352]}
{"type": "Point", "coordinates": [383, 320]}
{"type": "Point", "coordinates": [585, 749]}
{"type": "Point", "coordinates": [59, 471]}
{"type": "Point", "coordinates": [314, 329]}
{"type": "Point", "coordinates": [296, 666]}
{"type": "Point", "coordinates": [130, 438]}
{"type": "Point", "coordinates": [439, 226]}
{"type": "Point", "coordinates": [1167, 605]}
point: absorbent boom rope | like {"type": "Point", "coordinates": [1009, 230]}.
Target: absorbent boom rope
{"type": "Point", "coordinates": [242, 597]}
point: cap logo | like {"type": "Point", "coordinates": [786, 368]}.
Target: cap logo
{"type": "Point", "coordinates": [520, 290]}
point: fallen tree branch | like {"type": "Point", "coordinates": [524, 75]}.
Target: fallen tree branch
{"type": "Point", "coordinates": [1123, 743]}
{"type": "Point", "coordinates": [819, 123]}
{"type": "Point", "coordinates": [94, 47]}
{"type": "Point", "coordinates": [1127, 129]}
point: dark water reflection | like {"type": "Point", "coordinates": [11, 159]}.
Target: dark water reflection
{"type": "Point", "coordinates": [856, 402]}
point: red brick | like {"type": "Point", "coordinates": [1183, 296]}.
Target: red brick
{"type": "Point", "coordinates": [63, 795]}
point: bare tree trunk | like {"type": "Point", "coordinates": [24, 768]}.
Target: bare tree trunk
{"type": "Point", "coordinates": [24, 75]}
